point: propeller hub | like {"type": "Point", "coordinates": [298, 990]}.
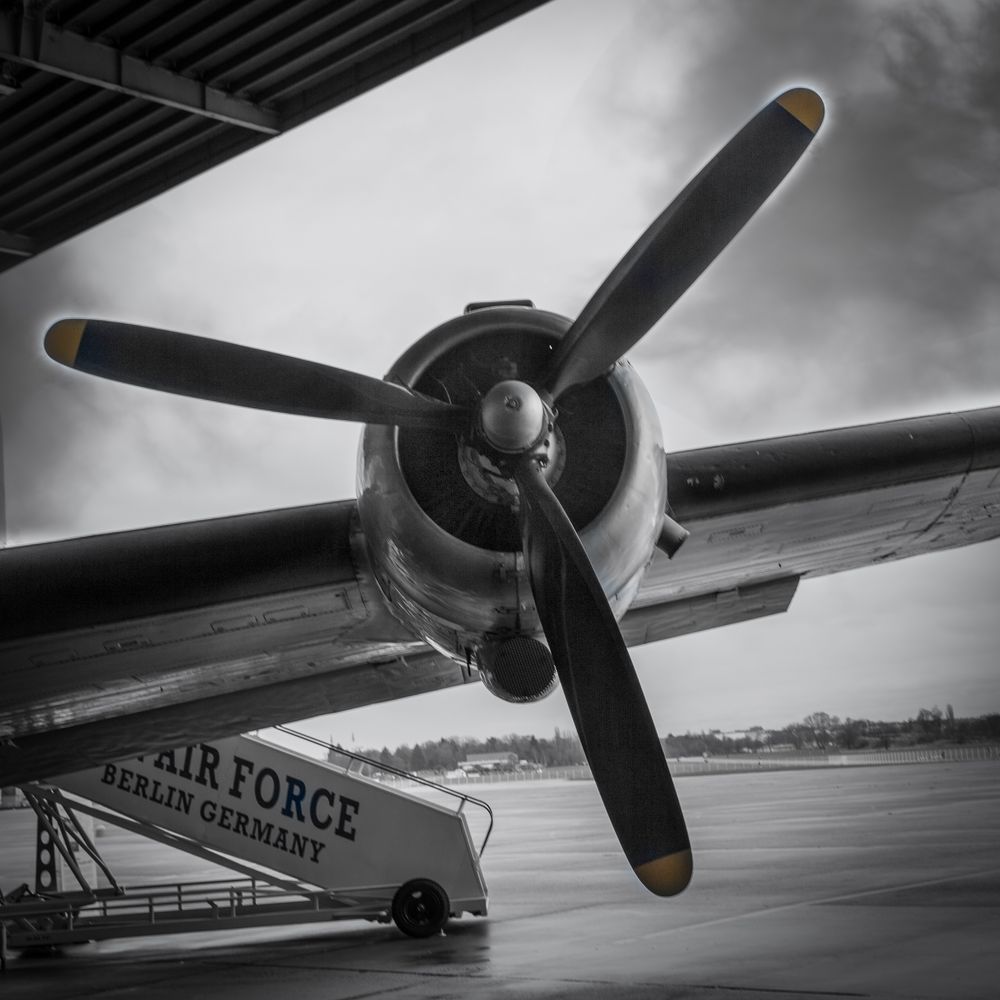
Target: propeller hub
{"type": "Point", "coordinates": [513, 417]}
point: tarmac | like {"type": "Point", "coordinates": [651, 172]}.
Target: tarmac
{"type": "Point", "coordinates": [851, 882]}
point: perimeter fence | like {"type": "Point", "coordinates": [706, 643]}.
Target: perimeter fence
{"type": "Point", "coordinates": [736, 763]}
{"type": "Point", "coordinates": [854, 758]}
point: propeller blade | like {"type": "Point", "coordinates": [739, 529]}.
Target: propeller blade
{"type": "Point", "coordinates": [686, 238]}
{"type": "Point", "coordinates": [604, 695]}
{"type": "Point", "coordinates": [244, 376]}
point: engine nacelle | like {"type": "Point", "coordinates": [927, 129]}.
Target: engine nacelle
{"type": "Point", "coordinates": [442, 526]}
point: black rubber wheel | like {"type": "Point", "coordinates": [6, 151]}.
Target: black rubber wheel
{"type": "Point", "coordinates": [420, 908]}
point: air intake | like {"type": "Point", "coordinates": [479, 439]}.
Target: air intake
{"type": "Point", "coordinates": [517, 669]}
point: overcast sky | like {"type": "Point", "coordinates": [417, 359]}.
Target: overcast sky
{"type": "Point", "coordinates": [524, 164]}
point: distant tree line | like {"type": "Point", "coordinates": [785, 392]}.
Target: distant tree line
{"type": "Point", "coordinates": [822, 732]}
{"type": "Point", "coordinates": [818, 732]}
{"type": "Point", "coordinates": [562, 750]}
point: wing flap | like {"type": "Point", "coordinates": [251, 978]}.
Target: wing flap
{"type": "Point", "coordinates": [704, 611]}
{"type": "Point", "coordinates": [360, 677]}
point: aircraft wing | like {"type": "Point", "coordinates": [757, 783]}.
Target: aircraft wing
{"type": "Point", "coordinates": [121, 643]}
{"type": "Point", "coordinates": [765, 514]}
{"type": "Point", "coordinates": [166, 635]}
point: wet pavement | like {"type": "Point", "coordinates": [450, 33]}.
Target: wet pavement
{"type": "Point", "coordinates": [863, 882]}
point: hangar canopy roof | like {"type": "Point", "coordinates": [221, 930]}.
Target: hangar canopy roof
{"type": "Point", "coordinates": [105, 103]}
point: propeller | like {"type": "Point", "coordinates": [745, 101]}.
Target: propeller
{"type": "Point", "coordinates": [608, 708]}
{"type": "Point", "coordinates": [686, 238]}
{"type": "Point", "coordinates": [511, 424]}
{"type": "Point", "coordinates": [244, 376]}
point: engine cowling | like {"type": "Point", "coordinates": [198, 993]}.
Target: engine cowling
{"type": "Point", "coordinates": [440, 518]}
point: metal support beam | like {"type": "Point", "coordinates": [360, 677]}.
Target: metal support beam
{"type": "Point", "coordinates": [33, 41]}
{"type": "Point", "coordinates": [17, 245]}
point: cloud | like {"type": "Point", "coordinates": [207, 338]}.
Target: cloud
{"type": "Point", "coordinates": [868, 285]}
{"type": "Point", "coordinates": [41, 410]}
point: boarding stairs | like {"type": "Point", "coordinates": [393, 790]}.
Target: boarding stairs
{"type": "Point", "coordinates": [310, 841]}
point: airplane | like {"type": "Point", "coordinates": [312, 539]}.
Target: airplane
{"type": "Point", "coordinates": [517, 522]}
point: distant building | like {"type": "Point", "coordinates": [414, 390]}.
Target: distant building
{"type": "Point", "coordinates": [755, 734]}
{"type": "Point", "coordinates": [482, 763]}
